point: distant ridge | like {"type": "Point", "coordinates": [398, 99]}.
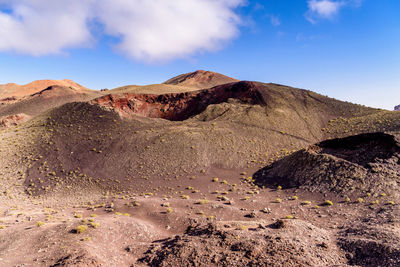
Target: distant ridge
{"type": "Point", "coordinates": [15, 90]}
{"type": "Point", "coordinates": [201, 79]}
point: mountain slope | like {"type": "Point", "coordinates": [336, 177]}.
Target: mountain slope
{"type": "Point", "coordinates": [200, 79]}
{"type": "Point", "coordinates": [17, 91]}
{"type": "Point", "coordinates": [239, 125]}
{"type": "Point", "coordinates": [45, 99]}
{"type": "Point", "coordinates": [157, 176]}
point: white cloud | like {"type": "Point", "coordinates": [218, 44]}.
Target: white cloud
{"type": "Point", "coordinates": [327, 9]}
{"type": "Point", "coordinates": [149, 30]}
{"type": "Point", "coordinates": [43, 27]}
{"type": "Point", "coordinates": [324, 8]}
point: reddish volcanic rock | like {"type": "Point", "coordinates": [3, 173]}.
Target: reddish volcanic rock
{"type": "Point", "coordinates": [180, 106]}
{"type": "Point", "coordinates": [13, 120]}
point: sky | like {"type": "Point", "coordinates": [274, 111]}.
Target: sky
{"type": "Point", "coordinates": [346, 49]}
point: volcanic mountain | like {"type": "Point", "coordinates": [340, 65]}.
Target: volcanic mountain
{"type": "Point", "coordinates": [200, 79]}
{"type": "Point", "coordinates": [192, 81]}
{"type": "Point", "coordinates": [12, 90]}
{"type": "Point", "coordinates": [36, 97]}
{"type": "Point", "coordinates": [204, 170]}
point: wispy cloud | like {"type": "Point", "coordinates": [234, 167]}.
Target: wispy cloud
{"type": "Point", "coordinates": [327, 9]}
{"type": "Point", "coordinates": [275, 21]}
{"type": "Point", "coordinates": [150, 31]}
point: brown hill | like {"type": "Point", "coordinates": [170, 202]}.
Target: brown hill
{"type": "Point", "coordinates": [200, 79]}
{"type": "Point", "coordinates": [45, 99]}
{"type": "Point", "coordinates": [11, 90]}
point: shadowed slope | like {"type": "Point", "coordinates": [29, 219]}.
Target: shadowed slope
{"type": "Point", "coordinates": [366, 162]}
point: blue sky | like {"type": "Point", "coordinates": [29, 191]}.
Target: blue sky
{"type": "Point", "coordinates": [347, 49]}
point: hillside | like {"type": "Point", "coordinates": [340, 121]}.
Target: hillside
{"type": "Point", "coordinates": [239, 125]}
{"type": "Point", "coordinates": [183, 83]}
{"type": "Point", "coordinates": [19, 103]}
{"type": "Point", "coordinates": [43, 100]}
{"type": "Point", "coordinates": [12, 90]}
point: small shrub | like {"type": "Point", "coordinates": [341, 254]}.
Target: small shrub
{"type": "Point", "coordinates": [242, 227]}
{"type": "Point", "coordinates": [289, 217]}
{"type": "Point", "coordinates": [328, 203]}
{"type": "Point", "coordinates": [81, 229]}
{"type": "Point", "coordinates": [215, 179]}
{"type": "Point", "coordinates": [306, 202]}
{"type": "Point", "coordinates": [38, 224]}
{"type": "Point", "coordinates": [360, 200]}
{"type": "Point", "coordinates": [203, 201]}
{"type": "Point", "coordinates": [94, 225]}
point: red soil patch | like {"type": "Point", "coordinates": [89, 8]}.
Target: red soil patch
{"type": "Point", "coordinates": [13, 120]}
